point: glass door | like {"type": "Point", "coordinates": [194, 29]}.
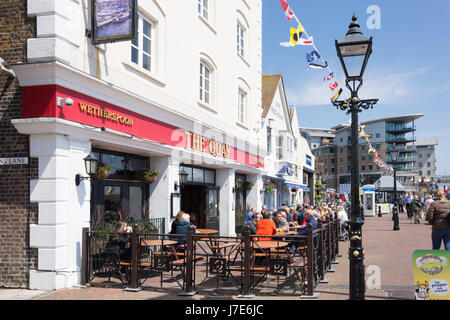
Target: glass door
{"type": "Point", "coordinates": [212, 208]}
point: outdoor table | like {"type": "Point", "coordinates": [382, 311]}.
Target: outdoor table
{"type": "Point", "coordinates": [284, 233]}
{"type": "Point", "coordinates": [267, 244]}
{"type": "Point", "coordinates": [151, 243]}
{"type": "Point", "coordinates": [206, 231]}
{"type": "Point", "coordinates": [297, 227]}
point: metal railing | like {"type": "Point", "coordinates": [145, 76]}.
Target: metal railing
{"type": "Point", "coordinates": [310, 266]}
{"type": "Point", "coordinates": [153, 225]}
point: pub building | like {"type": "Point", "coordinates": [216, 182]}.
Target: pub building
{"type": "Point", "coordinates": [135, 109]}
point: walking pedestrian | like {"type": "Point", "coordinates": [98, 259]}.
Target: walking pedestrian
{"type": "Point", "coordinates": [438, 216]}
{"type": "Point", "coordinates": [427, 205]}
{"type": "Point", "coordinates": [416, 208]}
{"type": "Point", "coordinates": [408, 200]}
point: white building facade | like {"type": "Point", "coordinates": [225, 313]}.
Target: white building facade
{"type": "Point", "coordinates": [185, 95]}
{"type": "Point", "coordinates": [286, 157]}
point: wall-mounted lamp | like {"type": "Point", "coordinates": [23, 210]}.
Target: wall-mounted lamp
{"type": "Point", "coordinates": [183, 177]}
{"type": "Point", "coordinates": [61, 101]}
{"type": "Point", "coordinates": [90, 163]}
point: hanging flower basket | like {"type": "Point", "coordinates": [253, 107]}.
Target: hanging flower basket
{"type": "Point", "coordinates": [294, 190]}
{"type": "Point", "coordinates": [103, 171]}
{"type": "Point", "coordinates": [248, 186]}
{"type": "Point", "coordinates": [270, 187]}
{"type": "Point", "coordinates": [147, 176]}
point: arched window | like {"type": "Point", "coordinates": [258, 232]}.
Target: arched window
{"type": "Point", "coordinates": [205, 83]}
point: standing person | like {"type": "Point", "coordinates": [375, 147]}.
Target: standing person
{"type": "Point", "coordinates": [427, 205]}
{"type": "Point", "coordinates": [408, 200]}
{"type": "Point", "coordinates": [438, 216]}
{"type": "Point", "coordinates": [416, 207]}
{"type": "Point", "coordinates": [401, 204]}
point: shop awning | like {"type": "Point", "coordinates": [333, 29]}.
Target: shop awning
{"type": "Point", "coordinates": [298, 186]}
{"type": "Point", "coordinates": [275, 178]}
{"type": "Point", "coordinates": [386, 184]}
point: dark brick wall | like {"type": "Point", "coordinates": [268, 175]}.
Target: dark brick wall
{"type": "Point", "coordinates": [16, 212]}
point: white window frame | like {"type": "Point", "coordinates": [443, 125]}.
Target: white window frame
{"type": "Point", "coordinates": [242, 106]}
{"type": "Point", "coordinates": [139, 47]}
{"type": "Point", "coordinates": [202, 86]}
{"type": "Point", "coordinates": [240, 38]}
{"type": "Point", "coordinates": [203, 9]}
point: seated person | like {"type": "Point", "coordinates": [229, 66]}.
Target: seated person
{"type": "Point", "coordinates": [303, 232]}
{"type": "Point", "coordinates": [252, 224]}
{"type": "Point", "coordinates": [280, 221]}
{"type": "Point", "coordinates": [342, 217]}
{"type": "Point", "coordinates": [182, 228]}
{"type": "Point", "coordinates": [266, 226]}
{"type": "Point", "coordinates": [175, 222]}
{"type": "Point", "coordinates": [116, 248]}
{"type": "Point", "coordinates": [249, 215]}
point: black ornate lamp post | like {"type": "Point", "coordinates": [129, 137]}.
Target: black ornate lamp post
{"type": "Point", "coordinates": [354, 51]}
{"type": "Point", "coordinates": [394, 155]}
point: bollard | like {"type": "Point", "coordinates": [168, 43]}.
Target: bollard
{"type": "Point", "coordinates": [134, 263]}
{"type": "Point", "coordinates": [246, 292]}
{"type": "Point", "coordinates": [85, 257]}
{"type": "Point", "coordinates": [189, 291]}
{"type": "Point", "coordinates": [310, 265]}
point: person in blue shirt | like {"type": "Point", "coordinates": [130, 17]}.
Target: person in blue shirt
{"type": "Point", "coordinates": [249, 215]}
{"type": "Point", "coordinates": [408, 200]}
{"type": "Point", "coordinates": [303, 232]}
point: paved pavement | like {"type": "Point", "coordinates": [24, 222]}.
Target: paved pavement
{"type": "Point", "coordinates": [388, 253]}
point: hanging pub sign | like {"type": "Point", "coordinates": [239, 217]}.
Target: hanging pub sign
{"type": "Point", "coordinates": [114, 20]}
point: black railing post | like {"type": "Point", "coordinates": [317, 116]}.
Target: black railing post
{"type": "Point", "coordinates": [335, 229]}
{"type": "Point", "coordinates": [329, 248]}
{"type": "Point", "coordinates": [188, 271]}
{"type": "Point", "coordinates": [310, 264]}
{"type": "Point", "coordinates": [85, 257]}
{"type": "Point", "coordinates": [321, 253]}
{"type": "Point", "coordinates": [134, 287]}
{"type": "Point", "coordinates": [246, 291]}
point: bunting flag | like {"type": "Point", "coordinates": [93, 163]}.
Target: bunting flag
{"type": "Point", "coordinates": [329, 77]}
{"type": "Point", "coordinates": [310, 57]}
{"type": "Point", "coordinates": [296, 39]}
{"type": "Point", "coordinates": [377, 160]}
{"type": "Point", "coordinates": [337, 95]}
{"type": "Point", "coordinates": [317, 66]}
{"type": "Point", "coordinates": [287, 10]}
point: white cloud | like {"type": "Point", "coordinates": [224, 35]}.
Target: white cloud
{"type": "Point", "coordinates": [391, 89]}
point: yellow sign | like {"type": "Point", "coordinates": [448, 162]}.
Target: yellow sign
{"type": "Point", "coordinates": [197, 142]}
{"type": "Point", "coordinates": [385, 208]}
{"type": "Point", "coordinates": [431, 274]}
{"type": "Point", "coordinates": [102, 113]}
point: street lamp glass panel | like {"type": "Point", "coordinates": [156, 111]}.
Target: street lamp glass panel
{"type": "Point", "coordinates": [183, 176]}
{"type": "Point", "coordinates": [90, 163]}
{"type": "Point", "coordinates": [354, 65]}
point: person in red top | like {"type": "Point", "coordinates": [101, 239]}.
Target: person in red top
{"type": "Point", "coordinates": [266, 226]}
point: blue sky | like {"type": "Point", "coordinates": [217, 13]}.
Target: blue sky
{"type": "Point", "coordinates": [408, 71]}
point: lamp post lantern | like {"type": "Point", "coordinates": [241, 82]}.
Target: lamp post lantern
{"type": "Point", "coordinates": [394, 155]}
{"type": "Point", "coordinates": [354, 51]}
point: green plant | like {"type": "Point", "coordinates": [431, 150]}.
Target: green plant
{"type": "Point", "coordinates": [104, 166]}
{"type": "Point", "coordinates": [145, 174]}
{"type": "Point", "coordinates": [270, 187]}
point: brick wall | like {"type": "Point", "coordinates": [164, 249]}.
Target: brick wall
{"type": "Point", "coordinates": [16, 213]}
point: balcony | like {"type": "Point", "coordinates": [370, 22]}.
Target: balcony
{"type": "Point", "coordinates": [389, 148]}
{"type": "Point", "coordinates": [399, 128]}
{"type": "Point", "coordinates": [394, 139]}
{"type": "Point", "coordinates": [401, 159]}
